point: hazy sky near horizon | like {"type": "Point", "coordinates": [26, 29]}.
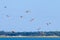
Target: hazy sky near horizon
{"type": "Point", "coordinates": [40, 12]}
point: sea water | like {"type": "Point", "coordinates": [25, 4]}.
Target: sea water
{"type": "Point", "coordinates": [29, 38]}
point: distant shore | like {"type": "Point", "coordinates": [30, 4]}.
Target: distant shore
{"type": "Point", "coordinates": [55, 34]}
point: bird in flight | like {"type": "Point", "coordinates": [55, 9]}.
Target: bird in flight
{"type": "Point", "coordinates": [7, 15]}
{"type": "Point", "coordinates": [21, 16]}
{"type": "Point", "coordinates": [5, 6]}
{"type": "Point", "coordinates": [27, 11]}
{"type": "Point", "coordinates": [32, 20]}
{"type": "Point", "coordinates": [48, 23]}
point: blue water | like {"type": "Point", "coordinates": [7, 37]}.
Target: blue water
{"type": "Point", "coordinates": [29, 38]}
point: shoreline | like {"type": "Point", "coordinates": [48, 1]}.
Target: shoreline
{"type": "Point", "coordinates": [29, 36]}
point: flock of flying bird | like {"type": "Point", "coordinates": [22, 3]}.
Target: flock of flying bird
{"type": "Point", "coordinates": [31, 20]}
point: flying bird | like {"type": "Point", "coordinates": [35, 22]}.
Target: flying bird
{"type": "Point", "coordinates": [21, 16]}
{"type": "Point", "coordinates": [32, 20]}
{"type": "Point", "coordinates": [27, 11]}
{"type": "Point", "coordinates": [48, 23]}
{"type": "Point", "coordinates": [5, 6]}
{"type": "Point", "coordinates": [7, 16]}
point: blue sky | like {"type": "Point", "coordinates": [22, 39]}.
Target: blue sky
{"type": "Point", "coordinates": [42, 11]}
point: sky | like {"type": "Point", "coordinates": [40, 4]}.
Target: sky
{"type": "Point", "coordinates": [42, 15]}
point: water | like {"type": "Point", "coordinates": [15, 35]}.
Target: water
{"type": "Point", "coordinates": [29, 38]}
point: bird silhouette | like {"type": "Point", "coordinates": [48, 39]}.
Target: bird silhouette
{"type": "Point", "coordinates": [7, 16]}
{"type": "Point", "coordinates": [48, 23]}
{"type": "Point", "coordinates": [27, 11]}
{"type": "Point", "coordinates": [5, 6]}
{"type": "Point", "coordinates": [21, 16]}
{"type": "Point", "coordinates": [32, 20]}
